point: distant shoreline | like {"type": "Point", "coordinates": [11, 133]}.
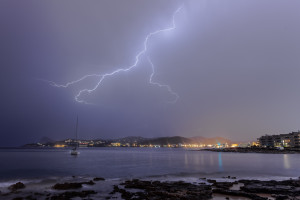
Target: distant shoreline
{"type": "Point", "coordinates": [224, 150]}
{"type": "Point", "coordinates": [254, 150]}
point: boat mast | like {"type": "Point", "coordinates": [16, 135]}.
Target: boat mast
{"type": "Point", "coordinates": [76, 132]}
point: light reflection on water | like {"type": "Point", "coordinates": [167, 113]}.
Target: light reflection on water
{"type": "Point", "coordinates": [220, 162]}
{"type": "Point", "coordinates": [286, 161]}
{"type": "Point", "coordinates": [211, 159]}
{"type": "Point", "coordinates": [142, 162]}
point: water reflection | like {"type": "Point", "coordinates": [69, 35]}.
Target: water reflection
{"type": "Point", "coordinates": [220, 162]}
{"type": "Point", "coordinates": [139, 162]}
{"type": "Point", "coordinates": [186, 160]}
{"type": "Point", "coordinates": [197, 160]}
{"type": "Point", "coordinates": [211, 159]}
{"type": "Point", "coordinates": [286, 161]}
{"type": "Point", "coordinates": [202, 159]}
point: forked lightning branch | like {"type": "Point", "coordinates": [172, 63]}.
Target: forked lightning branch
{"type": "Point", "coordinates": [140, 55]}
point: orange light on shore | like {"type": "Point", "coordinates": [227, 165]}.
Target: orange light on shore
{"type": "Point", "coordinates": [59, 145]}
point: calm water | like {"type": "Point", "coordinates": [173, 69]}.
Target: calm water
{"type": "Point", "coordinates": [143, 162]}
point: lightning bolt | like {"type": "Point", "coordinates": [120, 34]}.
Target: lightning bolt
{"type": "Point", "coordinates": [161, 85]}
{"type": "Point", "coordinates": [102, 77]}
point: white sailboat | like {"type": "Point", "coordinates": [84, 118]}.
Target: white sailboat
{"type": "Point", "coordinates": [74, 151]}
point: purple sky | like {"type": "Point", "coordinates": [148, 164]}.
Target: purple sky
{"type": "Point", "coordinates": [234, 63]}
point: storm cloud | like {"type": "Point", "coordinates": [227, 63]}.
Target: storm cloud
{"type": "Point", "coordinates": [233, 63]}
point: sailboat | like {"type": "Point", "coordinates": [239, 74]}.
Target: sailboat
{"type": "Point", "coordinates": [74, 151]}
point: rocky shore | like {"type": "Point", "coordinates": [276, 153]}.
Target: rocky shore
{"type": "Point", "coordinates": [205, 189]}
{"type": "Point", "coordinates": [255, 150]}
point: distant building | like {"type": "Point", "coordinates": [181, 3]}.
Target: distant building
{"type": "Point", "coordinates": [59, 145]}
{"type": "Point", "coordinates": [234, 145]}
{"type": "Point", "coordinates": [282, 140]}
{"type": "Point", "coordinates": [115, 144]}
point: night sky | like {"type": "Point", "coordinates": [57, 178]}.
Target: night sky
{"type": "Point", "coordinates": [235, 65]}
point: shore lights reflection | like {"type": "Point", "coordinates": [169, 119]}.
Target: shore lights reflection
{"type": "Point", "coordinates": [220, 162]}
{"type": "Point", "coordinates": [286, 161]}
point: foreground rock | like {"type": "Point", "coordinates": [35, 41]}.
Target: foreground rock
{"type": "Point", "coordinates": [99, 179]}
{"type": "Point", "coordinates": [163, 190]}
{"type": "Point", "coordinates": [70, 195]}
{"type": "Point", "coordinates": [156, 190]}
{"type": "Point", "coordinates": [17, 186]}
{"type": "Point", "coordinates": [287, 189]}
{"type": "Point", "coordinates": [221, 185]}
{"type": "Point", "coordinates": [70, 186]}
{"type": "Point", "coordinates": [239, 194]}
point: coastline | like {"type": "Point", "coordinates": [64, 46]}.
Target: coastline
{"type": "Point", "coordinates": [253, 150]}
{"type": "Point", "coordinates": [152, 188]}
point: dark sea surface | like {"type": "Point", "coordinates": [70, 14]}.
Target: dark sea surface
{"type": "Point", "coordinates": [143, 162]}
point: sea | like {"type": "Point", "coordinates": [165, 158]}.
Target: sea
{"type": "Point", "coordinates": [41, 169]}
{"type": "Point", "coordinates": [159, 163]}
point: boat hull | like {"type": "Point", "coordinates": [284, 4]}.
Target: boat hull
{"type": "Point", "coordinates": [74, 153]}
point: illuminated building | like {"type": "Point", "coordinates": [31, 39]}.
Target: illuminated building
{"type": "Point", "coordinates": [282, 140]}
{"type": "Point", "coordinates": [116, 144]}
{"type": "Point", "coordinates": [59, 145]}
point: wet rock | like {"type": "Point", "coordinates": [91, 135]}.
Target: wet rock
{"type": "Point", "coordinates": [287, 187]}
{"type": "Point", "coordinates": [67, 186]}
{"type": "Point", "coordinates": [88, 183]}
{"type": "Point", "coordinates": [29, 197]}
{"type": "Point", "coordinates": [99, 179]}
{"type": "Point", "coordinates": [238, 193]}
{"type": "Point", "coordinates": [115, 190]}
{"type": "Point", "coordinates": [211, 181]}
{"type": "Point", "coordinates": [18, 198]}
{"type": "Point", "coordinates": [70, 186]}
{"type": "Point", "coordinates": [248, 181]}
{"type": "Point", "coordinates": [260, 188]}
{"type": "Point", "coordinates": [126, 195]}
{"type": "Point", "coordinates": [223, 185]}
{"type": "Point", "coordinates": [281, 197]}
{"type": "Point", "coordinates": [17, 186]}
{"type": "Point", "coordinates": [164, 190]}
{"type": "Point", "coordinates": [70, 195]}
{"type": "Point", "coordinates": [156, 182]}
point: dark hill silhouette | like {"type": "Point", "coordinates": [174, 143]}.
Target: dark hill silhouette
{"type": "Point", "coordinates": [45, 140]}
{"type": "Point", "coordinates": [158, 140]}
{"type": "Point", "coordinates": [168, 140]}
